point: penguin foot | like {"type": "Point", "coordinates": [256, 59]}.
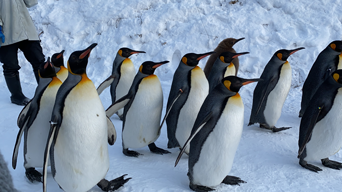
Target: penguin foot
{"type": "Point", "coordinates": [331, 164]}
{"type": "Point", "coordinates": [130, 153]}
{"type": "Point", "coordinates": [154, 149]}
{"type": "Point", "coordinates": [200, 188]}
{"type": "Point", "coordinates": [33, 175]}
{"type": "Point", "coordinates": [114, 184]}
{"type": "Point", "coordinates": [309, 166]}
{"type": "Point", "coordinates": [231, 180]}
{"type": "Point", "coordinates": [274, 129]}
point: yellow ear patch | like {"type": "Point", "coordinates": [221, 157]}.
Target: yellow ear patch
{"type": "Point", "coordinates": [280, 56]}
{"type": "Point", "coordinates": [333, 46]}
{"type": "Point", "coordinates": [336, 76]}
{"type": "Point", "coordinates": [222, 59]}
{"type": "Point", "coordinates": [140, 68]}
{"type": "Point", "coordinates": [185, 60]}
{"type": "Point", "coordinates": [227, 83]}
{"type": "Point", "coordinates": [120, 52]}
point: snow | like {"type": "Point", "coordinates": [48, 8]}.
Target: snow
{"type": "Point", "coordinates": [266, 161]}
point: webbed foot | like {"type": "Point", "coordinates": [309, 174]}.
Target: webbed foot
{"type": "Point", "coordinates": [114, 184]}
{"type": "Point", "coordinates": [331, 164]}
{"type": "Point", "coordinates": [33, 175]}
{"type": "Point", "coordinates": [130, 153]}
{"type": "Point", "coordinates": [309, 166]}
{"type": "Point", "coordinates": [231, 180]}
{"type": "Point", "coordinates": [154, 149]}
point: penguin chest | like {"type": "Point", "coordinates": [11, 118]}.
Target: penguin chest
{"type": "Point", "coordinates": [198, 92]}
{"type": "Point", "coordinates": [218, 151]}
{"type": "Point", "coordinates": [230, 70]}
{"type": "Point", "coordinates": [339, 66]}
{"type": "Point", "coordinates": [37, 134]}
{"type": "Point", "coordinates": [326, 138]}
{"type": "Point", "coordinates": [277, 96]}
{"type": "Point", "coordinates": [80, 151]}
{"type": "Point", "coordinates": [62, 74]}
{"type": "Point", "coordinates": [141, 126]}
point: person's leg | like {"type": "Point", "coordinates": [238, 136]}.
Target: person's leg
{"type": "Point", "coordinates": [34, 54]}
{"type": "Point", "coordinates": [9, 58]}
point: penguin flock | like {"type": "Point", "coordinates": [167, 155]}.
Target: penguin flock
{"type": "Point", "coordinates": [65, 125]}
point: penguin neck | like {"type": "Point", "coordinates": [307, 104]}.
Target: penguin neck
{"type": "Point", "coordinates": [184, 68]}
{"type": "Point", "coordinates": [330, 51]}
{"type": "Point", "coordinates": [43, 83]}
{"type": "Point", "coordinates": [72, 79]}
{"type": "Point", "coordinates": [57, 69]}
{"type": "Point", "coordinates": [222, 91]}
{"type": "Point", "coordinates": [118, 59]}
{"type": "Point", "coordinates": [276, 62]}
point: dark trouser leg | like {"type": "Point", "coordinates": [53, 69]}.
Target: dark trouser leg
{"type": "Point", "coordinates": [8, 56]}
{"type": "Point", "coordinates": [33, 52]}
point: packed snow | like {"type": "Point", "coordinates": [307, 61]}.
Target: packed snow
{"type": "Point", "coordinates": [266, 161]}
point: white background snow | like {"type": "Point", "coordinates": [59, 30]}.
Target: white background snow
{"type": "Point", "coordinates": [266, 161]}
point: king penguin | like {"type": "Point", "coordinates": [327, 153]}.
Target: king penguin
{"type": "Point", "coordinates": [123, 73]}
{"type": "Point", "coordinates": [270, 93]}
{"type": "Point", "coordinates": [142, 111]}
{"type": "Point", "coordinates": [222, 67]}
{"type": "Point", "coordinates": [326, 63]}
{"type": "Point", "coordinates": [320, 132]}
{"type": "Point", "coordinates": [224, 46]}
{"type": "Point", "coordinates": [188, 90]}
{"type": "Point", "coordinates": [215, 136]}
{"type": "Point", "coordinates": [33, 122]}
{"type": "Point", "coordinates": [57, 60]}
{"type": "Point", "coordinates": [77, 142]}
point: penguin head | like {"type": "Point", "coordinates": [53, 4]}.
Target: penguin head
{"type": "Point", "coordinates": [192, 59]}
{"type": "Point", "coordinates": [57, 59]}
{"type": "Point", "coordinates": [234, 83]}
{"type": "Point", "coordinates": [336, 46]}
{"type": "Point", "coordinates": [283, 54]}
{"type": "Point", "coordinates": [78, 60]}
{"type": "Point", "coordinates": [337, 75]}
{"type": "Point", "coordinates": [148, 67]}
{"type": "Point", "coordinates": [127, 52]}
{"type": "Point", "coordinates": [46, 70]}
{"type": "Point", "coordinates": [229, 42]}
{"type": "Point", "coordinates": [227, 57]}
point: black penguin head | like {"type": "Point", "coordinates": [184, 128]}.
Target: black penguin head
{"type": "Point", "coordinates": [337, 75]}
{"type": "Point", "coordinates": [227, 57]}
{"type": "Point", "coordinates": [336, 45]}
{"type": "Point", "coordinates": [78, 60]}
{"type": "Point", "coordinates": [46, 70]}
{"type": "Point", "coordinates": [148, 67]}
{"type": "Point", "coordinates": [127, 52]}
{"type": "Point", "coordinates": [230, 42]}
{"type": "Point", "coordinates": [57, 59]}
{"type": "Point", "coordinates": [192, 59]}
{"type": "Point", "coordinates": [234, 83]}
{"type": "Point", "coordinates": [283, 54]}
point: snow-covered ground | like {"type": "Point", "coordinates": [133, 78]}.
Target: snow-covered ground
{"type": "Point", "coordinates": [266, 161]}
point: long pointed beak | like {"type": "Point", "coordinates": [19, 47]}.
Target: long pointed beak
{"type": "Point", "coordinates": [60, 54]}
{"type": "Point", "coordinates": [47, 63]}
{"type": "Point", "coordinates": [87, 51]}
{"type": "Point", "coordinates": [159, 64]}
{"type": "Point", "coordinates": [238, 54]}
{"type": "Point", "coordinates": [295, 50]}
{"type": "Point", "coordinates": [248, 81]}
{"type": "Point", "coordinates": [135, 52]}
{"type": "Point", "coordinates": [239, 40]}
{"type": "Point", "coordinates": [204, 55]}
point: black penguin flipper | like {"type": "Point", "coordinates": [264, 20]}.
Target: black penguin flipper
{"type": "Point", "coordinates": [169, 109]}
{"type": "Point", "coordinates": [16, 146]}
{"type": "Point", "coordinates": [106, 83]}
{"type": "Point", "coordinates": [23, 115]}
{"type": "Point", "coordinates": [305, 130]}
{"type": "Point", "coordinates": [117, 105]}
{"type": "Point", "coordinates": [194, 132]}
{"type": "Point", "coordinates": [111, 132]}
{"type": "Point", "coordinates": [53, 127]}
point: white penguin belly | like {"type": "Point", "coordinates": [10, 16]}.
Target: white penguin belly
{"type": "Point", "coordinates": [127, 71]}
{"type": "Point", "coordinates": [218, 151]}
{"type": "Point", "coordinates": [188, 113]}
{"type": "Point", "coordinates": [143, 117]}
{"type": "Point", "coordinates": [38, 132]}
{"type": "Point", "coordinates": [277, 96]}
{"type": "Point", "coordinates": [80, 153]}
{"type": "Point", "coordinates": [230, 70]}
{"type": "Point", "coordinates": [326, 138]}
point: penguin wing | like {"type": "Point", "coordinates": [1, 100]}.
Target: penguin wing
{"type": "Point", "coordinates": [53, 127]}
{"type": "Point", "coordinates": [111, 132]}
{"type": "Point", "coordinates": [170, 107]}
{"type": "Point", "coordinates": [106, 83]}
{"type": "Point", "coordinates": [307, 124]}
{"type": "Point", "coordinates": [264, 90]}
{"type": "Point", "coordinates": [23, 114]}
{"type": "Point", "coordinates": [16, 146]}
{"type": "Point", "coordinates": [117, 105]}
{"type": "Point", "coordinates": [194, 132]}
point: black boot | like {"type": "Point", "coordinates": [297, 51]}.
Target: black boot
{"type": "Point", "coordinates": [13, 84]}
